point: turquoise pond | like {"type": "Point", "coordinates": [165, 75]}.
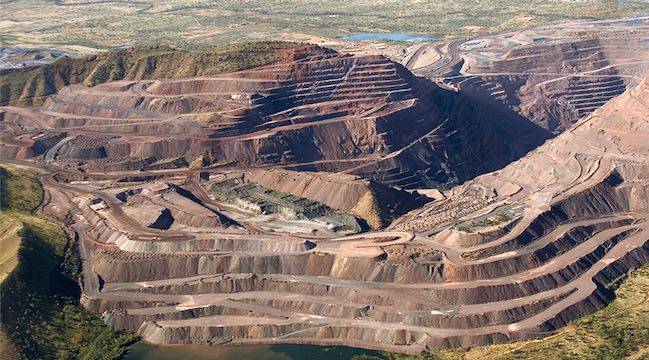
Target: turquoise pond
{"type": "Point", "coordinates": [141, 351]}
{"type": "Point", "coordinates": [389, 37]}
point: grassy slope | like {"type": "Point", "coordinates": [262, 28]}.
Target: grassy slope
{"type": "Point", "coordinates": [30, 86]}
{"type": "Point", "coordinates": [619, 331]}
{"type": "Point", "coordinates": [9, 243]}
{"type": "Point", "coordinates": [21, 192]}
{"type": "Point", "coordinates": [40, 317]}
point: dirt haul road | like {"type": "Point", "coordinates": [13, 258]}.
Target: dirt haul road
{"type": "Point", "coordinates": [168, 253]}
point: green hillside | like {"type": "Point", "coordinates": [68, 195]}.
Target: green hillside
{"type": "Point", "coordinates": [40, 317]}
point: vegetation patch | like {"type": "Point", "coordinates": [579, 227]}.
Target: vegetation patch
{"type": "Point", "coordinates": [30, 86]}
{"type": "Point", "coordinates": [19, 190]}
{"type": "Point", "coordinates": [40, 317]}
{"type": "Point", "coordinates": [260, 200]}
{"type": "Point", "coordinates": [9, 243]}
{"type": "Point", "coordinates": [493, 220]}
{"type": "Point", "coordinates": [85, 25]}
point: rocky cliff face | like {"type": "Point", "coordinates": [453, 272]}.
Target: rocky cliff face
{"type": "Point", "coordinates": [511, 254]}
{"type": "Point", "coordinates": [576, 221]}
{"type": "Point", "coordinates": [552, 76]}
{"type": "Point", "coordinates": [313, 109]}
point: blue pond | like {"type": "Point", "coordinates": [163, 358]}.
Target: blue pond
{"type": "Point", "coordinates": [389, 37]}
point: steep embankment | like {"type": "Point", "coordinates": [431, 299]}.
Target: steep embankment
{"type": "Point", "coordinates": [30, 86]}
{"type": "Point", "coordinates": [552, 76]}
{"type": "Point", "coordinates": [40, 318]}
{"type": "Point", "coordinates": [312, 110]}
{"type": "Point", "coordinates": [374, 202]}
{"type": "Point", "coordinates": [576, 218]}
{"type": "Point", "coordinates": [18, 193]}
{"type": "Point", "coordinates": [618, 331]}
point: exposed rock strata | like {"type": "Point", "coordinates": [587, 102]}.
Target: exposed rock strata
{"type": "Point", "coordinates": [574, 211]}
{"type": "Point", "coordinates": [313, 109]}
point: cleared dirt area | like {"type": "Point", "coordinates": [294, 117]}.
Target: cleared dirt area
{"type": "Point", "coordinates": [165, 182]}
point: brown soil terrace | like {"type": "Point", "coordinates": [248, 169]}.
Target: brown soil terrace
{"type": "Point", "coordinates": [130, 167]}
{"type": "Point", "coordinates": [552, 75]}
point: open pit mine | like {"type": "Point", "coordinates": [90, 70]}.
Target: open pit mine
{"type": "Point", "coordinates": [330, 198]}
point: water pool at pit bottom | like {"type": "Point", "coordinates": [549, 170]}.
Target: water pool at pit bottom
{"type": "Point", "coordinates": [143, 351]}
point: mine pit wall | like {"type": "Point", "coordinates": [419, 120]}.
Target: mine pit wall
{"type": "Point", "coordinates": [186, 86]}
{"type": "Point", "coordinates": [51, 104]}
{"type": "Point", "coordinates": [131, 320]}
{"type": "Point", "coordinates": [541, 106]}
{"type": "Point", "coordinates": [466, 144]}
{"type": "Point", "coordinates": [559, 103]}
{"type": "Point", "coordinates": [617, 194]}
{"type": "Point", "coordinates": [130, 267]}
{"type": "Point", "coordinates": [431, 107]}
{"type": "Point", "coordinates": [397, 133]}
{"type": "Point", "coordinates": [128, 127]}
{"type": "Point", "coordinates": [176, 267]}
{"type": "Point", "coordinates": [256, 334]}
{"type": "Point", "coordinates": [262, 332]}
{"type": "Point", "coordinates": [332, 141]}
{"type": "Point", "coordinates": [520, 264]}
{"type": "Point", "coordinates": [504, 292]}
{"type": "Point", "coordinates": [598, 299]}
{"type": "Point", "coordinates": [101, 306]}
{"type": "Point", "coordinates": [424, 106]}
{"type": "Point", "coordinates": [32, 120]}
{"type": "Point", "coordinates": [74, 102]}
{"type": "Point", "coordinates": [395, 108]}
{"type": "Point", "coordinates": [568, 240]}
{"type": "Point", "coordinates": [604, 199]}
{"type": "Point", "coordinates": [524, 58]}
{"type": "Point", "coordinates": [185, 105]}
{"type": "Point", "coordinates": [606, 280]}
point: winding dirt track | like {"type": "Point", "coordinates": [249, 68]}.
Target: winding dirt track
{"type": "Point", "coordinates": [613, 238]}
{"type": "Point", "coordinates": [512, 254]}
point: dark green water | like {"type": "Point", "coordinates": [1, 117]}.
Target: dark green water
{"type": "Point", "coordinates": [141, 351]}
